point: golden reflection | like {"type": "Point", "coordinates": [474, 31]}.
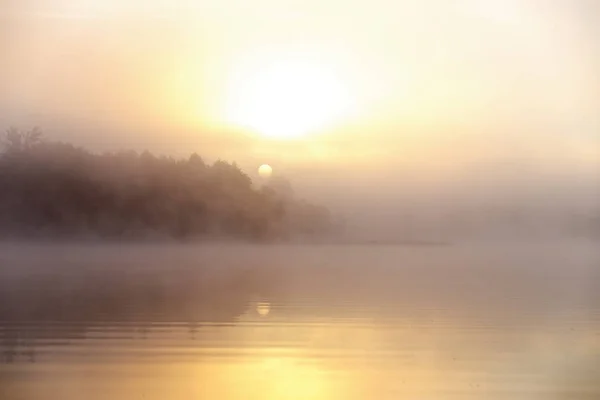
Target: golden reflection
{"type": "Point", "coordinates": [263, 309]}
{"type": "Point", "coordinates": [289, 378]}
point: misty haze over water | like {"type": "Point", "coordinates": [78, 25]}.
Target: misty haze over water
{"type": "Point", "coordinates": [227, 321]}
{"type": "Point", "coordinates": [299, 200]}
{"type": "Point", "coordinates": [126, 275]}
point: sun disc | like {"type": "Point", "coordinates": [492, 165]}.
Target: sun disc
{"type": "Point", "coordinates": [265, 170]}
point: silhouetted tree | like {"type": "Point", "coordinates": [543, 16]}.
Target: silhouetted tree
{"type": "Point", "coordinates": [15, 140]}
{"type": "Point", "coordinates": [59, 189]}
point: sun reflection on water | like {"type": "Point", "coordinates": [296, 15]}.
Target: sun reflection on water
{"type": "Point", "coordinates": [263, 308]}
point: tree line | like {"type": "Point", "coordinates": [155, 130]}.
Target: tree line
{"type": "Point", "coordinates": [55, 189]}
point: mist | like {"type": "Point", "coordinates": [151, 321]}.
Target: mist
{"type": "Point", "coordinates": [290, 200]}
{"type": "Point", "coordinates": [497, 134]}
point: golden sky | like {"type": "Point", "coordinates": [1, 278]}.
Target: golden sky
{"type": "Point", "coordinates": [310, 83]}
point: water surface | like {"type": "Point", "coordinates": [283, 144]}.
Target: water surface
{"type": "Point", "coordinates": [300, 322]}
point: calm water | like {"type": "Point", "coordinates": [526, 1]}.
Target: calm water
{"type": "Point", "coordinates": [300, 322]}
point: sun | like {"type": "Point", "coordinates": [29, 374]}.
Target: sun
{"type": "Point", "coordinates": [265, 170]}
{"type": "Point", "coordinates": [287, 99]}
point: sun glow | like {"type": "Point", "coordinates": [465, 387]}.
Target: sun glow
{"type": "Point", "coordinates": [287, 99]}
{"type": "Point", "coordinates": [265, 170]}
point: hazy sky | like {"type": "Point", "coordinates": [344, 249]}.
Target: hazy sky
{"type": "Point", "coordinates": [371, 86]}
